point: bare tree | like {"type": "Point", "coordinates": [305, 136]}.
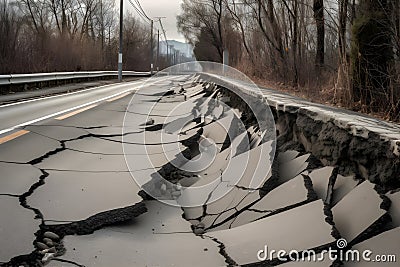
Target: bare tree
{"type": "Point", "coordinates": [61, 35]}
{"type": "Point", "coordinates": [203, 17]}
{"type": "Point", "coordinates": [320, 22]}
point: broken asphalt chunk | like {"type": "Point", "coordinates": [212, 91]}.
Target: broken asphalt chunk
{"type": "Point", "coordinates": [395, 208]}
{"type": "Point", "coordinates": [297, 229]}
{"type": "Point", "coordinates": [161, 237]}
{"type": "Point", "coordinates": [17, 228]}
{"type": "Point", "coordinates": [385, 246]}
{"type": "Point", "coordinates": [357, 211]}
{"type": "Point", "coordinates": [73, 196]}
{"type": "Point", "coordinates": [16, 179]}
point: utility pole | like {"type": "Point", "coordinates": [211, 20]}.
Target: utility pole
{"type": "Point", "coordinates": [167, 54]}
{"type": "Point", "coordinates": [171, 55]}
{"type": "Point", "coordinates": [151, 48]}
{"type": "Point", "coordinates": [158, 41]}
{"type": "Point", "coordinates": [121, 18]}
{"type": "Point", "coordinates": [158, 50]}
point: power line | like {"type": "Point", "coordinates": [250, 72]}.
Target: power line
{"type": "Point", "coordinates": [140, 7]}
{"type": "Point", "coordinates": [137, 9]}
{"type": "Point", "coordinates": [140, 13]}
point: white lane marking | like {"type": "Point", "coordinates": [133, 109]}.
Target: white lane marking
{"type": "Point", "coordinates": [78, 107]}
{"type": "Point", "coordinates": [67, 94]}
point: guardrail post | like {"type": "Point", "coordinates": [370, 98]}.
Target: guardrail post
{"type": "Point", "coordinates": [225, 60]}
{"type": "Point", "coordinates": [121, 19]}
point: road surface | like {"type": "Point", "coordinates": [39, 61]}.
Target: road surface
{"type": "Point", "coordinates": [77, 184]}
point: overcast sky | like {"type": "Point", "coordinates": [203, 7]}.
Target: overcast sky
{"type": "Point", "coordinates": [161, 8]}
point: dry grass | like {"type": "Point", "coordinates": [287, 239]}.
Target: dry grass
{"type": "Point", "coordinates": [324, 95]}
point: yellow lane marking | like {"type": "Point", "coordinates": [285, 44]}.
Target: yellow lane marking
{"type": "Point", "coordinates": [74, 113]}
{"type": "Point", "coordinates": [12, 136]}
{"type": "Point", "coordinates": [118, 97]}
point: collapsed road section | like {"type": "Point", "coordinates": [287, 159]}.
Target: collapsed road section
{"type": "Point", "coordinates": [209, 180]}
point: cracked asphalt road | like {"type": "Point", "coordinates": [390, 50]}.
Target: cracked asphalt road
{"type": "Point", "coordinates": [51, 175]}
{"type": "Point", "coordinates": [68, 197]}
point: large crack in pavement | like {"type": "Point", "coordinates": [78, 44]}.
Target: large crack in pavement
{"type": "Point", "coordinates": [87, 226]}
{"type": "Point", "coordinates": [375, 228]}
{"type": "Point", "coordinates": [229, 261]}
{"type": "Point", "coordinates": [23, 198]}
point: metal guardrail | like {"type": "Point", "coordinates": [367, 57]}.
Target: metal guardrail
{"type": "Point", "coordinates": [15, 79]}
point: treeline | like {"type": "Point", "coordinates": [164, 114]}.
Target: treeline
{"type": "Point", "coordinates": [345, 48]}
{"type": "Point", "coordinates": [69, 35]}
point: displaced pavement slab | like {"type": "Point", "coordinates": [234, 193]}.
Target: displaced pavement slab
{"type": "Point", "coordinates": [343, 185]}
{"type": "Point", "coordinates": [286, 156]}
{"type": "Point", "coordinates": [288, 194]}
{"type": "Point", "coordinates": [241, 205]}
{"type": "Point", "coordinates": [297, 229]}
{"type": "Point", "coordinates": [160, 237]}
{"type": "Point", "coordinates": [17, 228]}
{"type": "Point", "coordinates": [74, 196]}
{"type": "Point", "coordinates": [257, 162]}
{"type": "Point", "coordinates": [292, 168]}
{"type": "Point", "coordinates": [16, 179]}
{"type": "Point", "coordinates": [394, 210]}
{"type": "Point", "coordinates": [384, 245]}
{"type": "Point", "coordinates": [320, 179]}
{"type": "Point", "coordinates": [233, 182]}
{"type": "Point", "coordinates": [358, 210]}
{"type": "Point", "coordinates": [243, 196]}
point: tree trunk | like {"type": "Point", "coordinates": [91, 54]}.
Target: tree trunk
{"type": "Point", "coordinates": [295, 42]}
{"type": "Point", "coordinates": [343, 6]}
{"type": "Point", "coordinates": [372, 54]}
{"type": "Point", "coordinates": [63, 19]}
{"type": "Point", "coordinates": [318, 9]}
{"type": "Point", "coordinates": [32, 16]}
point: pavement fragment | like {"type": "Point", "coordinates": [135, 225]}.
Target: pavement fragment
{"type": "Point", "coordinates": [73, 196]}
{"type": "Point", "coordinates": [297, 229]}
{"type": "Point", "coordinates": [17, 178]}
{"type": "Point", "coordinates": [17, 228]}
{"type": "Point", "coordinates": [153, 239]}
{"type": "Point", "coordinates": [357, 211]}
{"type": "Point", "coordinates": [394, 210]}
{"type": "Point", "coordinates": [384, 245]}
